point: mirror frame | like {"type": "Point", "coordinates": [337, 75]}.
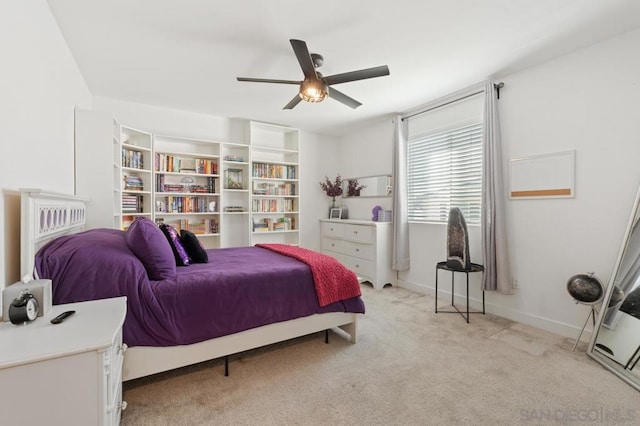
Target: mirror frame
{"type": "Point", "coordinates": [603, 360]}
{"type": "Point", "coordinates": [345, 183]}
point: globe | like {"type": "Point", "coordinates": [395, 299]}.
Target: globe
{"type": "Point", "coordinates": [585, 288]}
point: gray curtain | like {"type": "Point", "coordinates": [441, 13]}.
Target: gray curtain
{"type": "Point", "coordinates": [400, 253]}
{"type": "Point", "coordinates": [495, 253]}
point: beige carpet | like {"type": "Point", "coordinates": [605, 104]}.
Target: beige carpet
{"type": "Point", "coordinates": [409, 367]}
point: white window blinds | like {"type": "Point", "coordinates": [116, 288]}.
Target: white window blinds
{"type": "Point", "coordinates": [445, 170]}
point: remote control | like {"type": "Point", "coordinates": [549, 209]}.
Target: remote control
{"type": "Point", "coordinates": [63, 316]}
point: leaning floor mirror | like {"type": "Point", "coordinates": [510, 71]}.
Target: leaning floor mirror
{"type": "Point", "coordinates": [615, 342]}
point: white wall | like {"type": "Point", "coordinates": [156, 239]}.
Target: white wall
{"type": "Point", "coordinates": [40, 85]}
{"type": "Point", "coordinates": [367, 152]}
{"type": "Point", "coordinates": [587, 101]}
{"type": "Point", "coordinates": [314, 162]}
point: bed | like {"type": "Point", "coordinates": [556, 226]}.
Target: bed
{"type": "Point", "coordinates": [245, 297]}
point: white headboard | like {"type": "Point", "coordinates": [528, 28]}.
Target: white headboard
{"type": "Point", "coordinates": [45, 216]}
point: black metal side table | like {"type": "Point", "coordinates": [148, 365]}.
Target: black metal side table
{"type": "Point", "coordinates": [474, 267]}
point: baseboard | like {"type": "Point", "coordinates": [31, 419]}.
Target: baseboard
{"type": "Point", "coordinates": [537, 321]}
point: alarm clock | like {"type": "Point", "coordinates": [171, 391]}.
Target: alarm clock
{"type": "Point", "coordinates": [24, 308]}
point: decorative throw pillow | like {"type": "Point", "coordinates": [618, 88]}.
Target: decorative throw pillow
{"type": "Point", "coordinates": [180, 254]}
{"type": "Point", "coordinates": [194, 249]}
{"type": "Point", "coordinates": [149, 245]}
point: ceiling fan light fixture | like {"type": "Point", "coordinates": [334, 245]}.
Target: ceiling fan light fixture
{"type": "Point", "coordinates": [313, 90]}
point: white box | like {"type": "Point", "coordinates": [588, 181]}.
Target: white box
{"type": "Point", "coordinates": [384, 215]}
{"type": "Point", "coordinates": [41, 290]}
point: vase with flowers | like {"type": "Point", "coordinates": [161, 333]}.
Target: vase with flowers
{"type": "Point", "coordinates": [332, 188]}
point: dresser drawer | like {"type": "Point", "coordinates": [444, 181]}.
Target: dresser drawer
{"type": "Point", "coordinates": [113, 412]}
{"type": "Point", "coordinates": [113, 367]}
{"type": "Point", "coordinates": [360, 250]}
{"type": "Point", "coordinates": [333, 245]}
{"type": "Point", "coordinates": [331, 229]}
{"type": "Point", "coordinates": [362, 268]}
{"type": "Point", "coordinates": [360, 233]}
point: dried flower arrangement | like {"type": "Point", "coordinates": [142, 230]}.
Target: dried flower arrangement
{"type": "Point", "coordinates": [354, 189]}
{"type": "Point", "coordinates": [332, 188]}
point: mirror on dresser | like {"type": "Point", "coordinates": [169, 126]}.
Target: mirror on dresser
{"type": "Point", "coordinates": [615, 342]}
{"type": "Point", "coordinates": [367, 186]}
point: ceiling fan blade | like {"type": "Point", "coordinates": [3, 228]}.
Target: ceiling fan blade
{"type": "Point", "coordinates": [341, 97]}
{"type": "Point", "coordinates": [267, 80]}
{"type": "Point", "coordinates": [304, 58]}
{"type": "Point", "coordinates": [357, 75]}
{"type": "Point", "coordinates": [293, 102]}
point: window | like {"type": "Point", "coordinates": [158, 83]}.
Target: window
{"type": "Point", "coordinates": [445, 170]}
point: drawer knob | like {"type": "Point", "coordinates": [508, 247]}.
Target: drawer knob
{"type": "Point", "coordinates": [357, 249]}
{"type": "Point", "coordinates": [331, 229]}
{"type": "Point", "coordinates": [123, 348]}
{"type": "Point", "coordinates": [355, 232]}
{"type": "Point", "coordinates": [333, 245]}
{"type": "Point", "coordinates": [357, 266]}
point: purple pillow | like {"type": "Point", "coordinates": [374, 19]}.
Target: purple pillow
{"type": "Point", "coordinates": [149, 245]}
{"type": "Point", "coordinates": [196, 252]}
{"type": "Point", "coordinates": [180, 254]}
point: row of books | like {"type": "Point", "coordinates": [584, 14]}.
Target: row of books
{"type": "Point", "coordinates": [132, 203]}
{"type": "Point", "coordinates": [133, 183]}
{"type": "Point", "coordinates": [198, 227]}
{"type": "Point", "coordinates": [210, 185]}
{"type": "Point", "coordinates": [268, 188]}
{"type": "Point", "coordinates": [172, 164]}
{"type": "Point", "coordinates": [273, 206]}
{"type": "Point", "coordinates": [269, 224]}
{"type": "Point", "coordinates": [186, 204]}
{"type": "Point", "coordinates": [273, 171]}
{"type": "Point", "coordinates": [132, 159]}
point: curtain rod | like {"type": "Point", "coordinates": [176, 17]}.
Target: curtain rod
{"type": "Point", "coordinates": [497, 86]}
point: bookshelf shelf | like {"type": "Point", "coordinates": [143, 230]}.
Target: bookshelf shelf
{"type": "Point", "coordinates": [187, 214]}
{"type": "Point", "coordinates": [190, 194]}
{"type": "Point", "coordinates": [265, 179]}
{"type": "Point", "coordinates": [135, 147]}
{"type": "Point", "coordinates": [186, 174]}
{"type": "Point", "coordinates": [232, 162]}
{"type": "Point", "coordinates": [292, 231]}
{"type": "Point", "coordinates": [273, 149]}
{"type": "Point", "coordinates": [260, 196]}
{"type": "Point", "coordinates": [274, 213]}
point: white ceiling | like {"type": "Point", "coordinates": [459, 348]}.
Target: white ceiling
{"type": "Point", "coordinates": [186, 54]}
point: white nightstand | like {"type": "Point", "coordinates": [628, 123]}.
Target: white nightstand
{"type": "Point", "coordinates": [69, 373]}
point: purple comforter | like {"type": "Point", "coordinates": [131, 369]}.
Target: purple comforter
{"type": "Point", "coordinates": [239, 289]}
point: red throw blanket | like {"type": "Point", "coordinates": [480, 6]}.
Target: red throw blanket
{"type": "Point", "coordinates": [332, 280]}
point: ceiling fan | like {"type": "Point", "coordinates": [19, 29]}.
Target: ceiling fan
{"type": "Point", "coordinates": [315, 86]}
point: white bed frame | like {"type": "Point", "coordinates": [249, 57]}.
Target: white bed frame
{"type": "Point", "coordinates": [46, 216]}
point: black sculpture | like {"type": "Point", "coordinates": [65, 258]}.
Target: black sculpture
{"type": "Point", "coordinates": [457, 241]}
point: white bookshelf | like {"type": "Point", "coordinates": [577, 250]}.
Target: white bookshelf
{"type": "Point", "coordinates": [186, 186]}
{"type": "Point", "coordinates": [227, 209]}
{"type": "Point", "coordinates": [275, 185]}
{"type": "Point", "coordinates": [136, 162]}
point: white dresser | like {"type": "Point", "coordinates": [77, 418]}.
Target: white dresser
{"type": "Point", "coordinates": [64, 374]}
{"type": "Point", "coordinates": [362, 246]}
